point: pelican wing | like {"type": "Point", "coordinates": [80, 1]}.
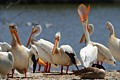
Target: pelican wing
{"type": "Point", "coordinates": [88, 55]}
{"type": "Point", "coordinates": [105, 52]}
{"type": "Point", "coordinates": [48, 46]}
{"type": "Point", "coordinates": [71, 54]}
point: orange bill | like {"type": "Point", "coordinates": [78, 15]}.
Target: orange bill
{"type": "Point", "coordinates": [14, 32]}
{"type": "Point", "coordinates": [83, 12]}
{"type": "Point", "coordinates": [41, 62]}
{"type": "Point", "coordinates": [83, 36]}
{"type": "Point", "coordinates": [33, 31]}
{"type": "Point", "coordinates": [55, 45]}
{"type": "Point", "coordinates": [29, 40]}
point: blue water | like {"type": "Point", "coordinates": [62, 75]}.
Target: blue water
{"type": "Point", "coordinates": [62, 18]}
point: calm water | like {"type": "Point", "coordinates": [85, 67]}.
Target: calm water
{"type": "Point", "coordinates": [62, 18]}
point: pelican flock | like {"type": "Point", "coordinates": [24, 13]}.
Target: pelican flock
{"type": "Point", "coordinates": [16, 56]}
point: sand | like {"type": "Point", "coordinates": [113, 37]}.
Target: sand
{"type": "Point", "coordinates": [110, 75]}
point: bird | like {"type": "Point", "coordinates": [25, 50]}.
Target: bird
{"type": "Point", "coordinates": [4, 47]}
{"type": "Point", "coordinates": [88, 53]}
{"type": "Point", "coordinates": [64, 55]}
{"type": "Point", "coordinates": [104, 54]}
{"type": "Point", "coordinates": [6, 64]}
{"type": "Point", "coordinates": [113, 42]}
{"type": "Point", "coordinates": [44, 47]}
{"type": "Point", "coordinates": [91, 73]}
{"type": "Point", "coordinates": [20, 53]}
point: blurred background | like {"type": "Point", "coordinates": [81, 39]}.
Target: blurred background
{"type": "Point", "coordinates": [59, 16]}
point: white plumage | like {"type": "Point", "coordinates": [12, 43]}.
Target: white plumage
{"type": "Point", "coordinates": [113, 42]}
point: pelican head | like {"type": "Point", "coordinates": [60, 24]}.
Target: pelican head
{"type": "Point", "coordinates": [56, 42]}
{"type": "Point", "coordinates": [110, 28]}
{"type": "Point", "coordinates": [36, 29]}
{"type": "Point", "coordinates": [58, 35]}
{"type": "Point", "coordinates": [14, 33]}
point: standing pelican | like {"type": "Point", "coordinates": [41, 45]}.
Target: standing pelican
{"type": "Point", "coordinates": [20, 53]}
{"type": "Point", "coordinates": [104, 54]}
{"type": "Point", "coordinates": [88, 54]}
{"type": "Point", "coordinates": [114, 42]}
{"type": "Point", "coordinates": [6, 63]}
{"type": "Point", "coordinates": [44, 47]}
{"type": "Point", "coordinates": [64, 55]}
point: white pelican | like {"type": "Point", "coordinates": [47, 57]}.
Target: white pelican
{"type": "Point", "coordinates": [44, 47]}
{"type": "Point", "coordinates": [114, 42]}
{"type": "Point", "coordinates": [6, 63]}
{"type": "Point", "coordinates": [21, 54]}
{"type": "Point", "coordinates": [64, 55]}
{"type": "Point", "coordinates": [4, 47]}
{"type": "Point", "coordinates": [104, 54]}
{"type": "Point", "coordinates": [88, 54]}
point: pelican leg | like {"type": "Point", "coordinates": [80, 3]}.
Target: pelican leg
{"type": "Point", "coordinates": [39, 68]}
{"type": "Point", "coordinates": [49, 66]}
{"type": "Point", "coordinates": [97, 62]}
{"type": "Point", "coordinates": [101, 62]}
{"type": "Point", "coordinates": [25, 71]}
{"type": "Point", "coordinates": [45, 68]}
{"type": "Point", "coordinates": [12, 73]}
{"type": "Point", "coordinates": [67, 69]}
{"type": "Point", "coordinates": [7, 76]}
{"type": "Point", "coordinates": [61, 69]}
{"type": "Point", "coordinates": [34, 63]}
{"type": "Point", "coordinates": [76, 67]}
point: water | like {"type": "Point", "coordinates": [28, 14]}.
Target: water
{"type": "Point", "coordinates": [61, 18]}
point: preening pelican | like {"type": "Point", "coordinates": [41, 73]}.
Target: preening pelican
{"type": "Point", "coordinates": [88, 54]}
{"type": "Point", "coordinates": [64, 55]}
{"type": "Point", "coordinates": [44, 47]}
{"type": "Point", "coordinates": [114, 42]}
{"type": "Point", "coordinates": [4, 47]}
{"type": "Point", "coordinates": [6, 63]}
{"type": "Point", "coordinates": [104, 54]}
{"type": "Point", "coordinates": [20, 53]}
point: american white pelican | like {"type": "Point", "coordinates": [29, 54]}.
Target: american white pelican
{"type": "Point", "coordinates": [44, 47]}
{"type": "Point", "coordinates": [4, 47]}
{"type": "Point", "coordinates": [88, 54]}
{"type": "Point", "coordinates": [64, 55]}
{"type": "Point", "coordinates": [114, 42]}
{"type": "Point", "coordinates": [104, 54]}
{"type": "Point", "coordinates": [6, 63]}
{"type": "Point", "coordinates": [21, 54]}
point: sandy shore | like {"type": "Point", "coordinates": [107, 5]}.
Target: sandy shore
{"type": "Point", "coordinates": [110, 75]}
